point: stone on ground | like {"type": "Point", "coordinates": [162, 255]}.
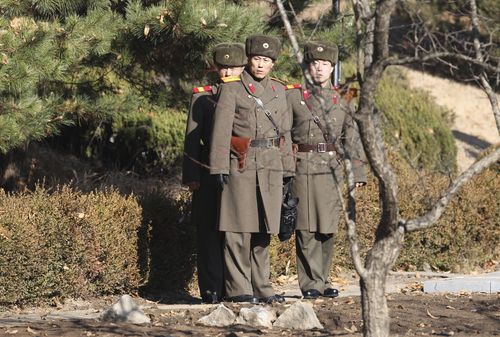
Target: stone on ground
{"type": "Point", "coordinates": [221, 316]}
{"type": "Point", "coordinates": [256, 316]}
{"type": "Point", "coordinates": [300, 316]}
{"type": "Point", "coordinates": [125, 310]}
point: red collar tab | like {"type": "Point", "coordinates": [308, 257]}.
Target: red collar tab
{"type": "Point", "coordinates": [306, 95]}
{"type": "Point", "coordinates": [335, 99]}
{"type": "Point", "coordinates": [251, 87]}
{"type": "Point", "coordinates": [274, 88]}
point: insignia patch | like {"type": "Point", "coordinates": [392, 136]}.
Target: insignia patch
{"type": "Point", "coordinates": [230, 79]}
{"type": "Point", "coordinates": [306, 95]}
{"type": "Point", "coordinates": [265, 45]}
{"type": "Point", "coordinates": [320, 49]}
{"type": "Point", "coordinates": [202, 89]}
{"type": "Point", "coordinates": [251, 87]}
{"type": "Point", "coordinates": [226, 56]}
{"type": "Point", "coordinates": [293, 86]}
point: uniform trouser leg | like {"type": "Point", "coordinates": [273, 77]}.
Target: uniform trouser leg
{"type": "Point", "coordinates": [314, 258]}
{"type": "Point", "coordinates": [260, 265]}
{"type": "Point", "coordinates": [209, 243]}
{"type": "Point", "coordinates": [246, 260]}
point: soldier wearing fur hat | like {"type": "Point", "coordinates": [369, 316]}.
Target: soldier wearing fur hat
{"type": "Point", "coordinates": [251, 154]}
{"type": "Point", "coordinates": [323, 133]}
{"type": "Point", "coordinates": [229, 60]}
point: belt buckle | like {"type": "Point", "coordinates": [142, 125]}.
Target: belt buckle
{"type": "Point", "coordinates": [321, 147]}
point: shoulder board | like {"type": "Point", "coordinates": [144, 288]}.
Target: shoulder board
{"type": "Point", "coordinates": [293, 86]}
{"type": "Point", "coordinates": [229, 79]}
{"type": "Point", "coordinates": [202, 89]}
{"type": "Point", "coordinates": [278, 80]}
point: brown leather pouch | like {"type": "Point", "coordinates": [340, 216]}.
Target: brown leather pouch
{"type": "Point", "coordinates": [282, 142]}
{"type": "Point", "coordinates": [240, 146]}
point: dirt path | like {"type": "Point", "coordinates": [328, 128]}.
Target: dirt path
{"type": "Point", "coordinates": [474, 127]}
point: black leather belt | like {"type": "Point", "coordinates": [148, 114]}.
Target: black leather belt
{"type": "Point", "coordinates": [319, 147]}
{"type": "Point", "coordinates": [265, 142]}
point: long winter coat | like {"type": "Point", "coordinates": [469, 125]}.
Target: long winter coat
{"type": "Point", "coordinates": [317, 174]}
{"type": "Point", "coordinates": [259, 186]}
{"type": "Point", "coordinates": [195, 165]}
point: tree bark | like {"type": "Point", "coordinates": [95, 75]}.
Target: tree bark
{"type": "Point", "coordinates": [378, 263]}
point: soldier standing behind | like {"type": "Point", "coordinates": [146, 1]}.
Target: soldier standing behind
{"type": "Point", "coordinates": [324, 131]}
{"type": "Point", "coordinates": [251, 155]}
{"type": "Point", "coordinates": [229, 59]}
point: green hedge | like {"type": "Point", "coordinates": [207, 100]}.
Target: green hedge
{"type": "Point", "coordinates": [67, 243]}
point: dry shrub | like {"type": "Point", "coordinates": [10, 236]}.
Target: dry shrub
{"type": "Point", "coordinates": [467, 236]}
{"type": "Point", "coordinates": [67, 243]}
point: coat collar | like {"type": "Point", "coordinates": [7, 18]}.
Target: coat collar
{"type": "Point", "coordinates": [253, 87]}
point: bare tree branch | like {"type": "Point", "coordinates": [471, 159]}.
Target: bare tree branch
{"type": "Point", "coordinates": [479, 57]}
{"type": "Point", "coordinates": [394, 60]}
{"type": "Point", "coordinates": [289, 32]}
{"type": "Point", "coordinates": [435, 213]}
{"type": "Point", "coordinates": [350, 217]}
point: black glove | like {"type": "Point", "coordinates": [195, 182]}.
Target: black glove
{"type": "Point", "coordinates": [289, 214]}
{"type": "Point", "coordinates": [222, 180]}
{"type": "Point", "coordinates": [287, 185]}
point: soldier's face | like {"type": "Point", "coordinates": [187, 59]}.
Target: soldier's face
{"type": "Point", "coordinates": [230, 71]}
{"type": "Point", "coordinates": [320, 71]}
{"type": "Point", "coordinates": [260, 66]}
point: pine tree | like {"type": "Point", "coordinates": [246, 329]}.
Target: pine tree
{"type": "Point", "coordinates": [109, 67]}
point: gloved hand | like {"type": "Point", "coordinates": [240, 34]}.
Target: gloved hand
{"type": "Point", "coordinates": [222, 180]}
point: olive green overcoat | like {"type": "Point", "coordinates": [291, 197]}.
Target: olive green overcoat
{"type": "Point", "coordinates": [238, 114]}
{"type": "Point", "coordinates": [317, 174]}
{"type": "Point", "coordinates": [204, 204]}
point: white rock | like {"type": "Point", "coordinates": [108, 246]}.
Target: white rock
{"type": "Point", "coordinates": [125, 310]}
{"type": "Point", "coordinates": [256, 316]}
{"type": "Point", "coordinates": [221, 316]}
{"type": "Point", "coordinates": [299, 316]}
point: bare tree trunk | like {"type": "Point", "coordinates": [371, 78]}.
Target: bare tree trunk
{"type": "Point", "coordinates": [378, 264]}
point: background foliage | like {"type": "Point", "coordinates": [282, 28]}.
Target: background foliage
{"type": "Point", "coordinates": [94, 94]}
{"type": "Point", "coordinates": [66, 243]}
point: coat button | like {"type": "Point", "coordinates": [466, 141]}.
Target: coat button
{"type": "Point", "coordinates": [302, 102]}
{"type": "Point", "coordinates": [249, 96]}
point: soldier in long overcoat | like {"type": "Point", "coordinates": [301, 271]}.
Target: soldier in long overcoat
{"type": "Point", "coordinates": [323, 132]}
{"type": "Point", "coordinates": [253, 109]}
{"type": "Point", "coordinates": [229, 60]}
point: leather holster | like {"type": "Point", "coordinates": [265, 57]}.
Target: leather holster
{"type": "Point", "coordinates": [240, 146]}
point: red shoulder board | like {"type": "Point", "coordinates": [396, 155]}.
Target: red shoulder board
{"type": "Point", "coordinates": [202, 89]}
{"type": "Point", "coordinates": [293, 86]}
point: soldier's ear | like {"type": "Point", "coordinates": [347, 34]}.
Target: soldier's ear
{"type": "Point", "coordinates": [333, 68]}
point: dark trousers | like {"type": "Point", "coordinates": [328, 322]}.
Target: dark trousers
{"type": "Point", "coordinates": [314, 259]}
{"type": "Point", "coordinates": [210, 262]}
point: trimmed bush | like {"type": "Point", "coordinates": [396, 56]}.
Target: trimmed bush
{"type": "Point", "coordinates": [67, 244]}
